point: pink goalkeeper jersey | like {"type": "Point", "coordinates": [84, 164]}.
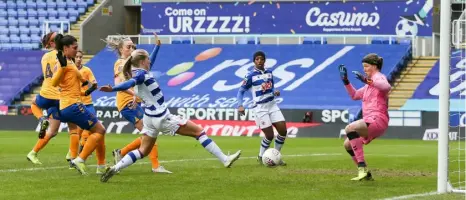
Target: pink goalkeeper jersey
{"type": "Point", "coordinates": [374, 98]}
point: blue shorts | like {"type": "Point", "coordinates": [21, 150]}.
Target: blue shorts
{"type": "Point", "coordinates": [78, 114]}
{"type": "Point", "coordinates": [51, 105]}
{"type": "Point", "coordinates": [91, 108]}
{"type": "Point", "coordinates": [133, 115]}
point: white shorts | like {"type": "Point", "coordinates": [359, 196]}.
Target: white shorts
{"type": "Point", "coordinates": [167, 124]}
{"type": "Point", "coordinates": [266, 114]}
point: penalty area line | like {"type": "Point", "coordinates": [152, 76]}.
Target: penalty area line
{"type": "Point", "coordinates": [409, 196]}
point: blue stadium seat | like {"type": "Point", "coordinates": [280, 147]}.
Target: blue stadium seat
{"type": "Point", "coordinates": [12, 13]}
{"type": "Point", "coordinates": [35, 38]}
{"type": "Point", "coordinates": [6, 46]}
{"type": "Point", "coordinates": [24, 30]}
{"type": "Point", "coordinates": [25, 38]}
{"type": "Point", "coordinates": [52, 18]}
{"type": "Point", "coordinates": [3, 13]}
{"type": "Point", "coordinates": [52, 13]}
{"type": "Point", "coordinates": [73, 13]}
{"type": "Point", "coordinates": [61, 4]}
{"type": "Point", "coordinates": [51, 4]}
{"type": "Point", "coordinates": [82, 4]}
{"type": "Point", "coordinates": [31, 4]}
{"type": "Point", "coordinates": [314, 40]}
{"type": "Point", "coordinates": [33, 22]}
{"type": "Point", "coordinates": [32, 12]}
{"type": "Point", "coordinates": [12, 21]}
{"type": "Point", "coordinates": [42, 13]}
{"type": "Point", "coordinates": [3, 21]}
{"type": "Point", "coordinates": [15, 39]}
{"type": "Point", "coordinates": [81, 10]}
{"type": "Point", "coordinates": [23, 21]}
{"type": "Point", "coordinates": [22, 13]}
{"type": "Point", "coordinates": [2, 5]}
{"type": "Point", "coordinates": [73, 19]}
{"type": "Point", "coordinates": [54, 28]}
{"type": "Point", "coordinates": [4, 38]}
{"type": "Point", "coordinates": [41, 19]}
{"type": "Point", "coordinates": [90, 2]}
{"type": "Point", "coordinates": [11, 5]}
{"type": "Point", "coordinates": [21, 5]}
{"type": "Point", "coordinates": [62, 13]}
{"type": "Point", "coordinates": [13, 30]}
{"type": "Point", "coordinates": [4, 30]}
{"type": "Point", "coordinates": [71, 4]}
{"type": "Point", "coordinates": [41, 5]}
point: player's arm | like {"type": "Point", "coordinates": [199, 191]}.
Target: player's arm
{"type": "Point", "coordinates": [247, 83]}
{"type": "Point", "coordinates": [381, 83]}
{"type": "Point", "coordinates": [353, 93]}
{"type": "Point", "coordinates": [154, 53]}
{"type": "Point", "coordinates": [57, 76]}
{"type": "Point", "coordinates": [93, 82]}
{"type": "Point", "coordinates": [117, 80]}
{"type": "Point", "coordinates": [276, 92]}
{"type": "Point", "coordinates": [137, 80]}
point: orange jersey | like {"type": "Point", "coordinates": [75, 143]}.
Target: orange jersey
{"type": "Point", "coordinates": [122, 98]}
{"type": "Point", "coordinates": [69, 80]}
{"type": "Point", "coordinates": [48, 69]}
{"type": "Point", "coordinates": [87, 74]}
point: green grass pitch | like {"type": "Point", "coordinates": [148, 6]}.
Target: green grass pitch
{"type": "Point", "coordinates": [317, 169]}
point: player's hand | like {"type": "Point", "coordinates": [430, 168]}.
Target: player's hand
{"type": "Point", "coordinates": [106, 88]}
{"type": "Point", "coordinates": [241, 110]}
{"type": "Point", "coordinates": [276, 93]}
{"type": "Point", "coordinates": [343, 74]}
{"type": "Point", "coordinates": [361, 77]}
{"type": "Point", "coordinates": [62, 59]}
{"type": "Point", "coordinates": [86, 82]}
{"type": "Point", "coordinates": [157, 40]}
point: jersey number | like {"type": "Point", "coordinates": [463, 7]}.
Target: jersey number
{"type": "Point", "coordinates": [48, 71]}
{"type": "Point", "coordinates": [266, 86]}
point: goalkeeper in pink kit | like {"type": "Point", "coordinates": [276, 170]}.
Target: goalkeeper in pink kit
{"type": "Point", "coordinates": [374, 96]}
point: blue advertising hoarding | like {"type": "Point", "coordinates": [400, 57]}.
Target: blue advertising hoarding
{"type": "Point", "coordinates": [210, 75]}
{"type": "Point", "coordinates": [400, 18]}
{"type": "Point", "coordinates": [426, 95]}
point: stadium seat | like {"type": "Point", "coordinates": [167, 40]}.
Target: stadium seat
{"type": "Point", "coordinates": [41, 5]}
{"type": "Point", "coordinates": [24, 30]}
{"type": "Point", "coordinates": [25, 38]}
{"type": "Point", "coordinates": [33, 22]}
{"type": "Point", "coordinates": [4, 30]}
{"type": "Point", "coordinates": [12, 13]}
{"type": "Point", "coordinates": [81, 10]}
{"type": "Point", "coordinates": [51, 5]}
{"type": "Point", "coordinates": [22, 13]}
{"type": "Point", "coordinates": [35, 30]}
{"type": "Point", "coordinates": [13, 30]}
{"type": "Point", "coordinates": [2, 5]}
{"type": "Point", "coordinates": [31, 4]}
{"type": "Point", "coordinates": [3, 21]}
{"type": "Point", "coordinates": [314, 40]}
{"type": "Point", "coordinates": [32, 12]}
{"type": "Point", "coordinates": [21, 5]}
{"type": "Point", "coordinates": [23, 21]}
{"type": "Point", "coordinates": [61, 4]}
{"type": "Point", "coordinates": [10, 5]}
{"type": "Point", "coordinates": [3, 13]}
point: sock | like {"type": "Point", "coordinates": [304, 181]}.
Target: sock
{"type": "Point", "coordinates": [36, 111]}
{"type": "Point", "coordinates": [41, 143]}
{"type": "Point", "coordinates": [154, 156]}
{"type": "Point", "coordinates": [131, 146]}
{"type": "Point", "coordinates": [426, 8]}
{"type": "Point", "coordinates": [279, 141]}
{"type": "Point", "coordinates": [83, 135]}
{"type": "Point", "coordinates": [351, 153]}
{"type": "Point", "coordinates": [211, 147]}
{"type": "Point", "coordinates": [90, 146]}
{"type": "Point", "coordinates": [100, 151]}
{"type": "Point", "coordinates": [74, 144]}
{"type": "Point", "coordinates": [128, 160]}
{"type": "Point", "coordinates": [356, 145]}
{"type": "Point", "coordinates": [265, 144]}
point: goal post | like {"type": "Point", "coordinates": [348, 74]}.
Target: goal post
{"type": "Point", "coordinates": [452, 148]}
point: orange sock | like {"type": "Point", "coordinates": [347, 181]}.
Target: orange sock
{"type": "Point", "coordinates": [84, 135]}
{"type": "Point", "coordinates": [74, 144]}
{"type": "Point", "coordinates": [91, 145]}
{"type": "Point", "coordinates": [41, 143]}
{"type": "Point", "coordinates": [131, 146]}
{"type": "Point", "coordinates": [154, 156]}
{"type": "Point", "coordinates": [36, 111]}
{"type": "Point", "coordinates": [100, 151]}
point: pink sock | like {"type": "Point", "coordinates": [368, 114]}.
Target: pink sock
{"type": "Point", "coordinates": [356, 144]}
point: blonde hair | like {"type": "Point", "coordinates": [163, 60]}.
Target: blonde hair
{"type": "Point", "coordinates": [116, 43]}
{"type": "Point", "coordinates": [133, 61]}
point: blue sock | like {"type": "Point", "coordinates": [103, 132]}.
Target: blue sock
{"type": "Point", "coordinates": [279, 141]}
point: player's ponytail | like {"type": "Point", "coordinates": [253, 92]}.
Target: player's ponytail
{"type": "Point", "coordinates": [115, 43]}
{"type": "Point", "coordinates": [58, 42]}
{"type": "Point", "coordinates": [380, 63]}
{"type": "Point", "coordinates": [127, 68]}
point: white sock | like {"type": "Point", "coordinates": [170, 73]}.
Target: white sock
{"type": "Point", "coordinates": [265, 144]}
{"type": "Point", "coordinates": [128, 160]}
{"type": "Point", "coordinates": [211, 147]}
{"type": "Point", "coordinates": [279, 142]}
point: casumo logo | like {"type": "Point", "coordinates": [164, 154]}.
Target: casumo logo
{"type": "Point", "coordinates": [314, 17]}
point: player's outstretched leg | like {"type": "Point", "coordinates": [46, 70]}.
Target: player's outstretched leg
{"type": "Point", "coordinates": [354, 132]}
{"type": "Point", "coordinates": [98, 131]}
{"type": "Point", "coordinates": [280, 140]}
{"type": "Point", "coordinates": [41, 143]}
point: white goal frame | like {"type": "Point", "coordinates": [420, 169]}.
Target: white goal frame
{"type": "Point", "coordinates": [446, 42]}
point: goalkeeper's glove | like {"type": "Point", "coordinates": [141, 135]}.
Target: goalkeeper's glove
{"type": "Point", "coordinates": [343, 74]}
{"type": "Point", "coordinates": [362, 78]}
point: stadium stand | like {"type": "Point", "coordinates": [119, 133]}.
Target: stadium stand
{"type": "Point", "coordinates": [21, 22]}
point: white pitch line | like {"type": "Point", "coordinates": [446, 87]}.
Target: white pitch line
{"type": "Point", "coordinates": [163, 161]}
{"type": "Point", "coordinates": [412, 196]}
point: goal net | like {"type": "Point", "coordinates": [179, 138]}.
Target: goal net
{"type": "Point", "coordinates": [457, 140]}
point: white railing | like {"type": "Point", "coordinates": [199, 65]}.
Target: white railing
{"type": "Point", "coordinates": [421, 45]}
{"type": "Point", "coordinates": [46, 26]}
